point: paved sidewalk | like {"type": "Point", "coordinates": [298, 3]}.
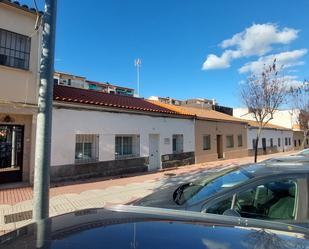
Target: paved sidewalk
{"type": "Point", "coordinates": [101, 192]}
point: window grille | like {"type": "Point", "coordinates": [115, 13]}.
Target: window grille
{"type": "Point", "coordinates": [86, 148]}
{"type": "Point", "coordinates": [127, 146]}
{"type": "Point", "coordinates": [14, 49]}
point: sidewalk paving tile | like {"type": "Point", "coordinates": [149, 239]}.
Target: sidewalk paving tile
{"type": "Point", "coordinates": [79, 196]}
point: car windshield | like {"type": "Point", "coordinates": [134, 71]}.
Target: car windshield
{"type": "Point", "coordinates": [195, 192]}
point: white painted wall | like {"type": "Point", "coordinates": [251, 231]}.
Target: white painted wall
{"type": "Point", "coordinates": [67, 123]}
{"type": "Point", "coordinates": [268, 134]}
{"type": "Point", "coordinates": [284, 118]}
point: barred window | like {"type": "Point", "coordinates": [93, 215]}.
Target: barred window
{"type": "Point", "coordinates": [206, 142]}
{"type": "Point", "coordinates": [177, 143]}
{"type": "Point", "coordinates": [229, 141]}
{"type": "Point", "coordinates": [14, 49]}
{"type": "Point", "coordinates": [86, 148]}
{"type": "Point", "coordinates": [127, 146]}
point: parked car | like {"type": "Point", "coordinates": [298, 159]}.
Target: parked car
{"type": "Point", "coordinates": [304, 152]}
{"type": "Point", "coordinates": [140, 227]}
{"type": "Point", "coordinates": [277, 191]}
{"type": "Point", "coordinates": [301, 156]}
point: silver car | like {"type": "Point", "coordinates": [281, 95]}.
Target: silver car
{"type": "Point", "coordinates": [277, 191]}
{"type": "Point", "coordinates": [301, 156]}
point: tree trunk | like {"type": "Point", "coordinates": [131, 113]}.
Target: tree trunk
{"type": "Point", "coordinates": [304, 139]}
{"type": "Point", "coordinates": [256, 144]}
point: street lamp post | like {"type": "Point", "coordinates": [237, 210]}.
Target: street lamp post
{"type": "Point", "coordinates": [44, 116]}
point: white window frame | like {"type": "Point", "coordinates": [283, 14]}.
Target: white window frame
{"type": "Point", "coordinates": [120, 153]}
{"type": "Point", "coordinates": [84, 139]}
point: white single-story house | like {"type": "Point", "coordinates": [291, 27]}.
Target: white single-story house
{"type": "Point", "coordinates": [101, 134]}
{"type": "Point", "coordinates": [273, 138]}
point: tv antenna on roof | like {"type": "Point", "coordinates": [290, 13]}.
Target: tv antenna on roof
{"type": "Point", "coordinates": [138, 64]}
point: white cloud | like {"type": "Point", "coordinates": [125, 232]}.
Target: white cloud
{"type": "Point", "coordinates": [285, 59]}
{"type": "Point", "coordinates": [255, 40]}
{"type": "Point", "coordinates": [215, 62]}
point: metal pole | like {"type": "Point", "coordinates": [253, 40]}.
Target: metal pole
{"type": "Point", "coordinates": [138, 64]}
{"type": "Point", "coordinates": [13, 155]}
{"type": "Point", "coordinates": [44, 117]}
{"type": "Point", "coordinates": [137, 79]}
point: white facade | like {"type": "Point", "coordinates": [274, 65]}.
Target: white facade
{"type": "Point", "coordinates": [275, 135]}
{"type": "Point", "coordinates": [284, 118]}
{"type": "Point", "coordinates": [67, 123]}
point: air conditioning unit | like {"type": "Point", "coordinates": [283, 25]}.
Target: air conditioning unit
{"type": "Point", "coordinates": [63, 82]}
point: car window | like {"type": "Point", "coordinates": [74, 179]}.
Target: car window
{"type": "Point", "coordinates": [272, 200]}
{"type": "Point", "coordinates": [220, 207]}
{"type": "Point", "coordinates": [216, 185]}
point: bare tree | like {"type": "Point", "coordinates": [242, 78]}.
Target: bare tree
{"type": "Point", "coordinates": [263, 94]}
{"type": "Point", "coordinates": [300, 105]}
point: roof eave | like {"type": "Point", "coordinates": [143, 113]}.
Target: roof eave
{"type": "Point", "coordinates": [59, 103]}
{"type": "Point", "coordinates": [221, 120]}
{"type": "Point", "coordinates": [21, 7]}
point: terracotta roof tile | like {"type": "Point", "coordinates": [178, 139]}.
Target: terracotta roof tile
{"type": "Point", "coordinates": [83, 96]}
{"type": "Point", "coordinates": [18, 5]}
{"type": "Point", "coordinates": [199, 112]}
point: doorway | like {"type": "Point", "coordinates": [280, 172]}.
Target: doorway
{"type": "Point", "coordinates": [219, 146]}
{"type": "Point", "coordinates": [154, 155]}
{"type": "Point", "coordinates": [11, 153]}
{"type": "Point", "coordinates": [264, 145]}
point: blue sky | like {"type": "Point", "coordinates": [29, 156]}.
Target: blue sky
{"type": "Point", "coordinates": [101, 39]}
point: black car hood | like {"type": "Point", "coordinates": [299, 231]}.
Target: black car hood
{"type": "Point", "coordinates": [101, 228]}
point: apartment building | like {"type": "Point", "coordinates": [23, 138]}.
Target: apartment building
{"type": "Point", "coordinates": [210, 104]}
{"type": "Point", "coordinates": [19, 69]}
{"type": "Point", "coordinates": [71, 80]}
{"type": "Point", "coordinates": [101, 134]}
